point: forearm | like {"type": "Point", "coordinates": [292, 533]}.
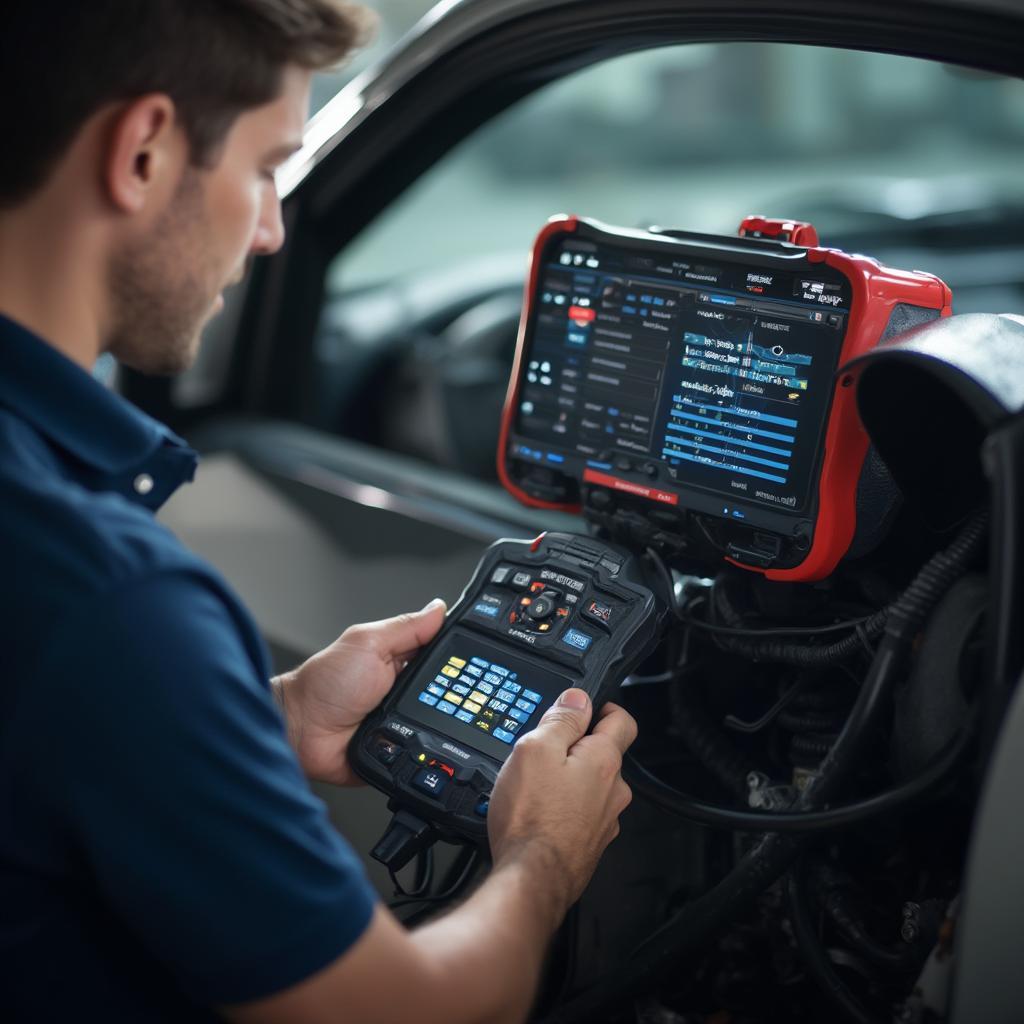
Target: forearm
{"type": "Point", "coordinates": [495, 942]}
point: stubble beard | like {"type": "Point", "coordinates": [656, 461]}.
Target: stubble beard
{"type": "Point", "coordinates": [159, 292]}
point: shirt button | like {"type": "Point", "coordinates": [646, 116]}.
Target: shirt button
{"type": "Point", "coordinates": [143, 483]}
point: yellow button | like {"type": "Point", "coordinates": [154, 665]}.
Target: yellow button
{"type": "Point", "coordinates": [422, 757]}
{"type": "Point", "coordinates": [452, 673]}
{"type": "Point", "coordinates": [478, 697]}
{"type": "Point", "coordinates": [457, 662]}
{"type": "Point", "coordinates": [486, 726]}
{"type": "Point", "coordinates": [471, 706]}
{"type": "Point", "coordinates": [452, 697]}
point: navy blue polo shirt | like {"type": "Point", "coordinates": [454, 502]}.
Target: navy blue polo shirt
{"type": "Point", "coordinates": [160, 849]}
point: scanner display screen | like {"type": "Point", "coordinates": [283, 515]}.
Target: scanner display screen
{"type": "Point", "coordinates": [480, 696]}
{"type": "Point", "coordinates": [719, 369]}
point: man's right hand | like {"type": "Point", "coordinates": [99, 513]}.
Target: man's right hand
{"type": "Point", "coordinates": [559, 796]}
{"type": "Point", "coordinates": [553, 811]}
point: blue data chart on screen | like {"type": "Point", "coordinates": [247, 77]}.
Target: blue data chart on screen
{"type": "Point", "coordinates": [711, 422]}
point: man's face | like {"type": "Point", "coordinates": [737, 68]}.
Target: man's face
{"type": "Point", "coordinates": [165, 287]}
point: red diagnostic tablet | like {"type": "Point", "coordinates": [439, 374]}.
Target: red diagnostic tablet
{"type": "Point", "coordinates": [682, 389]}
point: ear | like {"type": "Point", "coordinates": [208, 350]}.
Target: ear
{"type": "Point", "coordinates": [145, 153]}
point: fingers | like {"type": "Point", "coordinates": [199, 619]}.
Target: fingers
{"type": "Point", "coordinates": [618, 725]}
{"type": "Point", "coordinates": [566, 721]}
{"type": "Point", "coordinates": [400, 637]}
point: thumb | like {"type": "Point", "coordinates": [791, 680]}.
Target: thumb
{"type": "Point", "coordinates": [566, 721]}
{"type": "Point", "coordinates": [401, 636]}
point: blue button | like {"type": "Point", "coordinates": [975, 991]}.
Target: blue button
{"type": "Point", "coordinates": [511, 725]}
{"type": "Point", "coordinates": [513, 676]}
{"type": "Point", "coordinates": [505, 737]}
{"type": "Point", "coordinates": [437, 691]}
{"type": "Point", "coordinates": [499, 671]}
{"type": "Point", "coordinates": [512, 687]}
{"type": "Point", "coordinates": [482, 805]}
{"type": "Point", "coordinates": [737, 514]}
{"type": "Point", "coordinates": [443, 680]}
{"type": "Point", "coordinates": [532, 695]}
{"type": "Point", "coordinates": [575, 638]}
{"type": "Point", "coordinates": [492, 678]}
{"type": "Point", "coordinates": [497, 705]}
{"type": "Point", "coordinates": [555, 458]}
{"type": "Point", "coordinates": [428, 698]}
{"type": "Point", "coordinates": [526, 706]}
{"type": "Point", "coordinates": [484, 687]}
{"type": "Point", "coordinates": [506, 695]}
{"type": "Point", "coordinates": [490, 610]}
{"type": "Point", "coordinates": [475, 670]}
{"type": "Point", "coordinates": [480, 662]}
{"type": "Point", "coordinates": [464, 716]}
{"type": "Point", "coordinates": [518, 714]}
{"type": "Point", "coordinates": [467, 680]}
{"type": "Point", "coordinates": [460, 688]}
{"type": "Point", "coordinates": [446, 708]}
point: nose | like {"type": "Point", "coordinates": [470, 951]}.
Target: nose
{"type": "Point", "coordinates": [269, 236]}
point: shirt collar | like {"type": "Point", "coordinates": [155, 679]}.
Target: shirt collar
{"type": "Point", "coordinates": [117, 444]}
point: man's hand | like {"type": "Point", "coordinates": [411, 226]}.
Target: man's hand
{"type": "Point", "coordinates": [326, 698]}
{"type": "Point", "coordinates": [559, 796]}
{"type": "Point", "coordinates": [553, 811]}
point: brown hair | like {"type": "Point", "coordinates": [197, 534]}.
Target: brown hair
{"type": "Point", "coordinates": [60, 62]}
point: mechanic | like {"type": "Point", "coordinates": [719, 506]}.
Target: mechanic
{"type": "Point", "coordinates": [161, 854]}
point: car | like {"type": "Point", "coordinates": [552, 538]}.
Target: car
{"type": "Point", "coordinates": [348, 401]}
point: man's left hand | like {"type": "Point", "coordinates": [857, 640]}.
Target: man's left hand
{"type": "Point", "coordinates": [326, 698]}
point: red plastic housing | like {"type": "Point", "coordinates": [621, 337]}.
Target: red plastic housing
{"type": "Point", "coordinates": [797, 232]}
{"type": "Point", "coordinates": [556, 225]}
{"type": "Point", "coordinates": [877, 290]}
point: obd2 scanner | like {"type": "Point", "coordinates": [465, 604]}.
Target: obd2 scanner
{"type": "Point", "coordinates": [537, 618]}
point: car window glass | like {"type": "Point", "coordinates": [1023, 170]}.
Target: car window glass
{"type": "Point", "coordinates": [700, 136]}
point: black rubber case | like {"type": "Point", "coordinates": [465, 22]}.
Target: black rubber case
{"type": "Point", "coordinates": [536, 618]}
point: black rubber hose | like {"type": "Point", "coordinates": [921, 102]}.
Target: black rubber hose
{"type": "Point", "coordinates": [687, 930]}
{"type": "Point", "coordinates": [815, 958]}
{"type": "Point", "coordinates": [645, 784]}
{"type": "Point", "coordinates": [788, 652]}
{"type": "Point", "coordinates": [837, 902]}
{"type": "Point", "coordinates": [708, 744]}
